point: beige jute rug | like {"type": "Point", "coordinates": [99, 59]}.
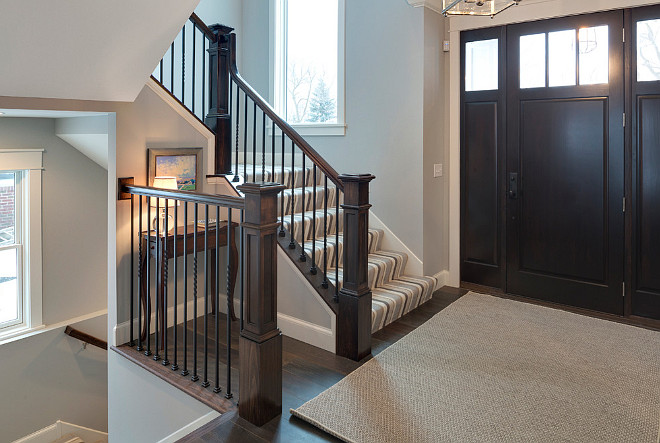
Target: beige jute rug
{"type": "Point", "coordinates": [493, 370]}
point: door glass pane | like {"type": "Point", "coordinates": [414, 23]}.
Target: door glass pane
{"type": "Point", "coordinates": [594, 55]}
{"type": "Point", "coordinates": [648, 50]}
{"type": "Point", "coordinates": [9, 306]}
{"type": "Point", "coordinates": [481, 58]}
{"type": "Point", "coordinates": [562, 58]}
{"type": "Point", "coordinates": [532, 61]}
{"type": "Point", "coordinates": [7, 208]}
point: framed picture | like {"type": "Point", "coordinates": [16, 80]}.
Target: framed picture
{"type": "Point", "coordinates": [183, 163]}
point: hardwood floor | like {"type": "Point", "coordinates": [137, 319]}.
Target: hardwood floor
{"type": "Point", "coordinates": [308, 371]}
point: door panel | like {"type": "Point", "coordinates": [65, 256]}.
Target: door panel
{"type": "Point", "coordinates": [646, 165]}
{"type": "Point", "coordinates": [565, 228]}
{"type": "Point", "coordinates": [482, 158]}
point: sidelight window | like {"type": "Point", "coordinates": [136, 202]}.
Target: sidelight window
{"type": "Point", "coordinates": [481, 65]}
{"type": "Point", "coordinates": [648, 50]}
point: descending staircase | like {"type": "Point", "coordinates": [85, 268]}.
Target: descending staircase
{"type": "Point", "coordinates": [394, 293]}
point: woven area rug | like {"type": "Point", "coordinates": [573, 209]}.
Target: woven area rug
{"type": "Point", "coordinates": [487, 369]}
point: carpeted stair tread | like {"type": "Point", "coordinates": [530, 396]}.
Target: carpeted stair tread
{"type": "Point", "coordinates": [394, 294]}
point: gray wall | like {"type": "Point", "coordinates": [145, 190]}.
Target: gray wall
{"type": "Point", "coordinates": [46, 375]}
{"type": "Point", "coordinates": [395, 114]}
{"type": "Point", "coordinates": [75, 220]}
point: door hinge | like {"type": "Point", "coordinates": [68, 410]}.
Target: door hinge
{"type": "Point", "coordinates": [624, 34]}
{"type": "Point", "coordinates": [624, 204]}
{"type": "Point", "coordinates": [623, 289]}
{"type": "Point", "coordinates": [624, 119]}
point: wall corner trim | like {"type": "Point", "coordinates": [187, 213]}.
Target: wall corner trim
{"type": "Point", "coordinates": [433, 5]}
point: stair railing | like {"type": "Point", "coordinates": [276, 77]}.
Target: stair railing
{"type": "Point", "coordinates": [183, 232]}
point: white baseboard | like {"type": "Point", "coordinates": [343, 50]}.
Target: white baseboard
{"type": "Point", "coordinates": [443, 278]}
{"type": "Point", "coordinates": [307, 332]}
{"type": "Point", "coordinates": [190, 427]}
{"type": "Point", "coordinates": [391, 242]}
{"type": "Point", "coordinates": [122, 331]}
{"type": "Point", "coordinates": [60, 429]}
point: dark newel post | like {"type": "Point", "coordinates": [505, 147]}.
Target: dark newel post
{"type": "Point", "coordinates": [219, 118]}
{"type": "Point", "coordinates": [354, 316]}
{"type": "Point", "coordinates": [260, 341]}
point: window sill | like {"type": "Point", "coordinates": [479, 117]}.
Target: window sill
{"type": "Point", "coordinates": [315, 130]}
{"type": "Point", "coordinates": [18, 332]}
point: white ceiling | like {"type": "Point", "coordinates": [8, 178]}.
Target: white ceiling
{"type": "Point", "coordinates": [85, 49]}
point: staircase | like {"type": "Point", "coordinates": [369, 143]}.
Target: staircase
{"type": "Point", "coordinates": [324, 216]}
{"type": "Point", "coordinates": [394, 293]}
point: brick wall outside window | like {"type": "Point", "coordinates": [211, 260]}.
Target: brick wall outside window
{"type": "Point", "coordinates": [6, 207]}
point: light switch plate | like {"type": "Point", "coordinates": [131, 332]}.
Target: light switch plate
{"type": "Point", "coordinates": [437, 170]}
{"type": "Point", "coordinates": [445, 46]}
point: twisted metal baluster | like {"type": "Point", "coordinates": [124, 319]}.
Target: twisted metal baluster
{"type": "Point", "coordinates": [195, 377]}
{"type": "Point", "coordinates": [313, 269]}
{"type": "Point", "coordinates": [325, 234]}
{"type": "Point", "coordinates": [140, 276]}
{"type": "Point", "coordinates": [336, 298]}
{"type": "Point", "coordinates": [302, 257]}
{"type": "Point", "coordinates": [238, 118]}
{"type": "Point", "coordinates": [206, 383]}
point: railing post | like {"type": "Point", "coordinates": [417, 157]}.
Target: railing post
{"type": "Point", "coordinates": [354, 315]}
{"type": "Point", "coordinates": [260, 343]}
{"type": "Point", "coordinates": [219, 118]}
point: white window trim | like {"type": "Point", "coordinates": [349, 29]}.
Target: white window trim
{"type": "Point", "coordinates": [30, 161]}
{"type": "Point", "coordinates": [277, 88]}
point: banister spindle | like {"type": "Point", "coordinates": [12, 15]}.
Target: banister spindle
{"type": "Point", "coordinates": [216, 295]}
{"type": "Point", "coordinates": [175, 305]}
{"type": "Point", "coordinates": [183, 65]}
{"type": "Point", "coordinates": [245, 137]}
{"type": "Point", "coordinates": [282, 233]}
{"type": "Point", "coordinates": [254, 141]}
{"type": "Point", "coordinates": [302, 257]}
{"type": "Point", "coordinates": [336, 298]}
{"type": "Point", "coordinates": [159, 281]}
{"type": "Point", "coordinates": [194, 45]}
{"type": "Point", "coordinates": [354, 315]}
{"type": "Point", "coordinates": [195, 377]}
{"type": "Point", "coordinates": [140, 276]}
{"type": "Point", "coordinates": [184, 371]}
{"type": "Point", "coordinates": [238, 117]}
{"type": "Point", "coordinates": [313, 269]}
{"type": "Point", "coordinates": [263, 145]}
{"type": "Point", "coordinates": [204, 74]}
{"type": "Point", "coordinates": [166, 362]}
{"type": "Point", "coordinates": [325, 282]}
{"type": "Point", "coordinates": [230, 307]}
{"type": "Point", "coordinates": [206, 383]}
{"type": "Point", "coordinates": [260, 340]}
{"type": "Point", "coordinates": [148, 272]}
{"type": "Point", "coordinates": [292, 228]}
{"type": "Point", "coordinates": [132, 314]}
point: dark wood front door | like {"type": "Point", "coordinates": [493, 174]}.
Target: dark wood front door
{"type": "Point", "coordinates": [565, 161]}
{"type": "Point", "coordinates": [645, 214]}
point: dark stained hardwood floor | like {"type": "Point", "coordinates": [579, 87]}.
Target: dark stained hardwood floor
{"type": "Point", "coordinates": [308, 371]}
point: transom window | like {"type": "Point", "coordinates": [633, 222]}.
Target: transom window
{"type": "Point", "coordinates": [648, 50]}
{"type": "Point", "coordinates": [565, 58]}
{"type": "Point", "coordinates": [309, 67]}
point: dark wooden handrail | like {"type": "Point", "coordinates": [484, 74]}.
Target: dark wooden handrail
{"type": "Point", "coordinates": [291, 133]}
{"type": "Point", "coordinates": [71, 332]}
{"type": "Point", "coordinates": [225, 201]}
{"type": "Point", "coordinates": [202, 27]}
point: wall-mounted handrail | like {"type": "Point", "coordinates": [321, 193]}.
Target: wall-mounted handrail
{"type": "Point", "coordinates": [86, 338]}
{"type": "Point", "coordinates": [286, 128]}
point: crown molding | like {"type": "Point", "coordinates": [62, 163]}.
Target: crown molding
{"type": "Point", "coordinates": [433, 5]}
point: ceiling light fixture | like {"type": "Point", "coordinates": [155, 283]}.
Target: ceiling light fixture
{"type": "Point", "coordinates": [476, 7]}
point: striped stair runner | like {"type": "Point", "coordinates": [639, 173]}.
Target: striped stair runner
{"type": "Point", "coordinates": [394, 293]}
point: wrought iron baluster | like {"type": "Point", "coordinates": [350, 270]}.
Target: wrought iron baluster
{"type": "Point", "coordinates": [203, 112]}
{"type": "Point", "coordinates": [336, 298]}
{"type": "Point", "coordinates": [183, 65]}
{"type": "Point", "coordinates": [195, 377]}
{"type": "Point", "coordinates": [185, 372]}
{"type": "Point", "coordinates": [254, 141]}
{"type": "Point", "coordinates": [206, 383]}
{"type": "Point", "coordinates": [302, 257]}
{"type": "Point", "coordinates": [230, 308]}
{"type": "Point", "coordinates": [292, 242]}
{"type": "Point", "coordinates": [175, 305]}
{"type": "Point", "coordinates": [325, 233]}
{"type": "Point", "coordinates": [238, 118]}
{"type": "Point", "coordinates": [272, 153]}
{"type": "Point", "coordinates": [313, 269]}
{"type": "Point", "coordinates": [217, 388]}
{"type": "Point", "coordinates": [148, 271]}
{"type": "Point", "coordinates": [165, 265]}
{"type": "Point", "coordinates": [263, 146]}
{"type": "Point", "coordinates": [194, 46]}
{"type": "Point", "coordinates": [140, 276]}
{"type": "Point", "coordinates": [240, 266]}
{"type": "Point", "coordinates": [159, 280]}
{"type": "Point", "coordinates": [172, 67]}
{"type": "Point", "coordinates": [160, 78]}
{"type": "Point", "coordinates": [282, 233]}
{"type": "Point", "coordinates": [245, 134]}
{"type": "Point", "coordinates": [131, 343]}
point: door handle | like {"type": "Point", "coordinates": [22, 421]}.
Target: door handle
{"type": "Point", "coordinates": [513, 185]}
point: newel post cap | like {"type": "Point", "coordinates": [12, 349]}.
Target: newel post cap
{"type": "Point", "coordinates": [352, 178]}
{"type": "Point", "coordinates": [219, 29]}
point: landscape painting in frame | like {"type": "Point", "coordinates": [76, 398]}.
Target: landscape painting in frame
{"type": "Point", "coordinates": [183, 163]}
